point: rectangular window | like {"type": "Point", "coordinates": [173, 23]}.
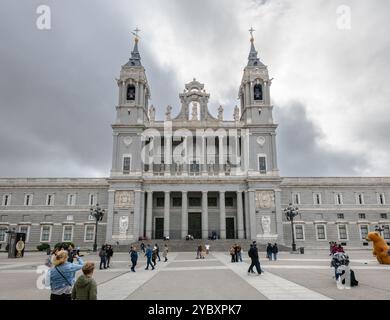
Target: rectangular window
{"type": "Point", "coordinates": [6, 200]}
{"type": "Point", "coordinates": [321, 233]}
{"type": "Point", "coordinates": [45, 233]}
{"type": "Point", "coordinates": [25, 229]}
{"type": "Point", "coordinates": [126, 165]}
{"type": "Point", "coordinates": [343, 235]}
{"type": "Point", "coordinates": [67, 234]}
{"type": "Point", "coordinates": [160, 202]}
{"type": "Point", "coordinates": [381, 199]}
{"type": "Point", "coordinates": [359, 198]}
{"type": "Point", "coordinates": [362, 216]}
{"type": "Point", "coordinates": [299, 232]}
{"type": "Point", "coordinates": [363, 231]}
{"type": "Point", "coordinates": [176, 202]}
{"type": "Point", "coordinates": [339, 198]}
{"type": "Point", "coordinates": [262, 165]}
{"type": "Point", "coordinates": [71, 199]}
{"type": "Point", "coordinates": [92, 200]}
{"type": "Point", "coordinates": [386, 232]}
{"type": "Point", "coordinates": [383, 215]}
{"type": "Point", "coordinates": [212, 202]}
{"type": "Point", "coordinates": [228, 202]}
{"type": "Point", "coordinates": [50, 200]}
{"type": "Point", "coordinates": [340, 216]}
{"type": "Point", "coordinates": [89, 233]}
{"type": "Point", "coordinates": [317, 198]}
{"type": "Point", "coordinates": [3, 234]}
{"type": "Point", "coordinates": [28, 199]}
{"type": "Point", "coordinates": [194, 202]}
{"type": "Point", "coordinates": [296, 198]}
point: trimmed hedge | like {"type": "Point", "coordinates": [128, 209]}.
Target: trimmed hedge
{"type": "Point", "coordinates": [64, 244]}
{"type": "Point", "coordinates": [43, 247]}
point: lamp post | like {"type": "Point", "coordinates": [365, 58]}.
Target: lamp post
{"type": "Point", "coordinates": [379, 229]}
{"type": "Point", "coordinates": [291, 212]}
{"type": "Point", "coordinates": [98, 214]}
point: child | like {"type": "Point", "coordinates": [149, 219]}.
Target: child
{"type": "Point", "coordinates": [85, 287]}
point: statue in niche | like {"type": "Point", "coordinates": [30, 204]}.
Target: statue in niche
{"type": "Point", "coordinates": [123, 224]}
{"type": "Point", "coordinates": [220, 113]}
{"type": "Point", "coordinates": [194, 113]}
{"type": "Point", "coordinates": [266, 224]}
{"type": "Point", "coordinates": [236, 114]}
{"type": "Point", "coordinates": [168, 113]}
{"type": "Point", "coordinates": [152, 113]}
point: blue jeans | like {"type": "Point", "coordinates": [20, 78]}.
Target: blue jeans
{"type": "Point", "coordinates": [149, 262]}
{"type": "Point", "coordinates": [275, 256]}
{"type": "Point", "coordinates": [239, 257]}
{"type": "Point", "coordinates": [103, 262]}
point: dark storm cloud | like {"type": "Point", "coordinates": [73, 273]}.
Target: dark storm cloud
{"type": "Point", "coordinates": [301, 152]}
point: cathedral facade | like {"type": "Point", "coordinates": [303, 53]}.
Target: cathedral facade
{"type": "Point", "coordinates": [196, 174]}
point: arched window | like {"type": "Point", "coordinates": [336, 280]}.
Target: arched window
{"type": "Point", "coordinates": [258, 92]}
{"type": "Point", "coordinates": [130, 92]}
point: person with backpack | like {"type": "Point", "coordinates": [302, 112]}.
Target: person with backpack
{"type": "Point", "coordinates": [275, 251]}
{"type": "Point", "coordinates": [133, 257]}
{"type": "Point", "coordinates": [255, 262]}
{"type": "Point", "coordinates": [85, 287]}
{"type": "Point", "coordinates": [148, 255]}
{"type": "Point", "coordinates": [103, 257]}
{"type": "Point", "coordinates": [62, 276]}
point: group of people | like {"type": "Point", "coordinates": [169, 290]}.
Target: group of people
{"type": "Point", "coordinates": [202, 251]}
{"type": "Point", "coordinates": [106, 252]}
{"type": "Point", "coordinates": [235, 253]}
{"type": "Point", "coordinates": [334, 248]}
{"type": "Point", "coordinates": [151, 254]}
{"type": "Point", "coordinates": [272, 251]}
{"type": "Point", "coordinates": [60, 277]}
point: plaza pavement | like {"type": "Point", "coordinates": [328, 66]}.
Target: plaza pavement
{"type": "Point", "coordinates": [293, 276]}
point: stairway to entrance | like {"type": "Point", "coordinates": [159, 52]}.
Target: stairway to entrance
{"type": "Point", "coordinates": [191, 245]}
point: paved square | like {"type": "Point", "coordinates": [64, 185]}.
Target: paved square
{"type": "Point", "coordinates": [293, 276]}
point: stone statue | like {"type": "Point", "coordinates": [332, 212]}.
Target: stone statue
{"type": "Point", "coordinates": [152, 113]}
{"type": "Point", "coordinates": [194, 112]}
{"type": "Point", "coordinates": [168, 113]}
{"type": "Point", "coordinates": [220, 113]}
{"type": "Point", "coordinates": [123, 224]}
{"type": "Point", "coordinates": [266, 224]}
{"type": "Point", "coordinates": [236, 114]}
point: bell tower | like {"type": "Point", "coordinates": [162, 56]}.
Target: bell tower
{"type": "Point", "coordinates": [254, 91]}
{"type": "Point", "coordinates": [134, 91]}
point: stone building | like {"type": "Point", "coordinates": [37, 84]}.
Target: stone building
{"type": "Point", "coordinates": [195, 173]}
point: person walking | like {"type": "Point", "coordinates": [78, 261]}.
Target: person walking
{"type": "Point", "coordinates": [133, 257]}
{"type": "Point", "coordinates": [254, 255]}
{"type": "Point", "coordinates": [157, 251]}
{"type": "Point", "coordinates": [275, 251]}
{"type": "Point", "coordinates": [154, 255]}
{"type": "Point", "coordinates": [148, 255]}
{"type": "Point", "coordinates": [143, 247]}
{"type": "Point", "coordinates": [62, 276]}
{"type": "Point", "coordinates": [85, 287]}
{"type": "Point", "coordinates": [110, 253]}
{"type": "Point", "coordinates": [269, 251]}
{"type": "Point", "coordinates": [198, 252]}
{"type": "Point", "coordinates": [165, 253]}
{"type": "Point", "coordinates": [103, 257]}
{"type": "Point", "coordinates": [232, 252]}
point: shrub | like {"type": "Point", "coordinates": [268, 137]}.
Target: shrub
{"type": "Point", "coordinates": [43, 247]}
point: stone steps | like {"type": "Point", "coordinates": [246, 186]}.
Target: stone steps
{"type": "Point", "coordinates": [191, 245]}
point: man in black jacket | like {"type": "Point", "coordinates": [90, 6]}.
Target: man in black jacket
{"type": "Point", "coordinates": [254, 255]}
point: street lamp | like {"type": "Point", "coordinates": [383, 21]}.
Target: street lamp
{"type": "Point", "coordinates": [291, 212]}
{"type": "Point", "coordinates": [98, 214]}
{"type": "Point", "coordinates": [379, 229]}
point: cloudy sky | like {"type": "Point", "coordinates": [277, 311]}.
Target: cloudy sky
{"type": "Point", "coordinates": [330, 90]}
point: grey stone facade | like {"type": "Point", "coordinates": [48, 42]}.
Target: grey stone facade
{"type": "Point", "coordinates": [195, 173]}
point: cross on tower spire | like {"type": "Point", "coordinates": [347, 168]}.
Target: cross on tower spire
{"type": "Point", "coordinates": [251, 32]}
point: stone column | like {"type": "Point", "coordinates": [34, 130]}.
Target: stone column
{"type": "Point", "coordinates": [274, 154]}
{"type": "Point", "coordinates": [221, 156]}
{"type": "Point", "coordinates": [204, 156]}
{"type": "Point", "coordinates": [240, 216]}
{"type": "Point", "coordinates": [185, 160]}
{"type": "Point", "coordinates": [184, 215]}
{"type": "Point", "coordinates": [205, 216]}
{"type": "Point", "coordinates": [252, 214]}
{"type": "Point", "coordinates": [149, 210]}
{"type": "Point", "coordinates": [137, 214]}
{"type": "Point", "coordinates": [222, 215]}
{"type": "Point", "coordinates": [247, 229]}
{"type": "Point", "coordinates": [110, 215]}
{"type": "Point", "coordinates": [166, 213]}
{"type": "Point", "coordinates": [279, 214]}
{"type": "Point", "coordinates": [142, 216]}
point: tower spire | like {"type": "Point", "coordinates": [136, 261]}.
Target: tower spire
{"type": "Point", "coordinates": [135, 59]}
{"type": "Point", "coordinates": [253, 60]}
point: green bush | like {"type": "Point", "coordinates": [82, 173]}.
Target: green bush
{"type": "Point", "coordinates": [64, 244]}
{"type": "Point", "coordinates": [43, 247]}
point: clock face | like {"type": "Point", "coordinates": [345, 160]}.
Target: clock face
{"type": "Point", "coordinates": [127, 141]}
